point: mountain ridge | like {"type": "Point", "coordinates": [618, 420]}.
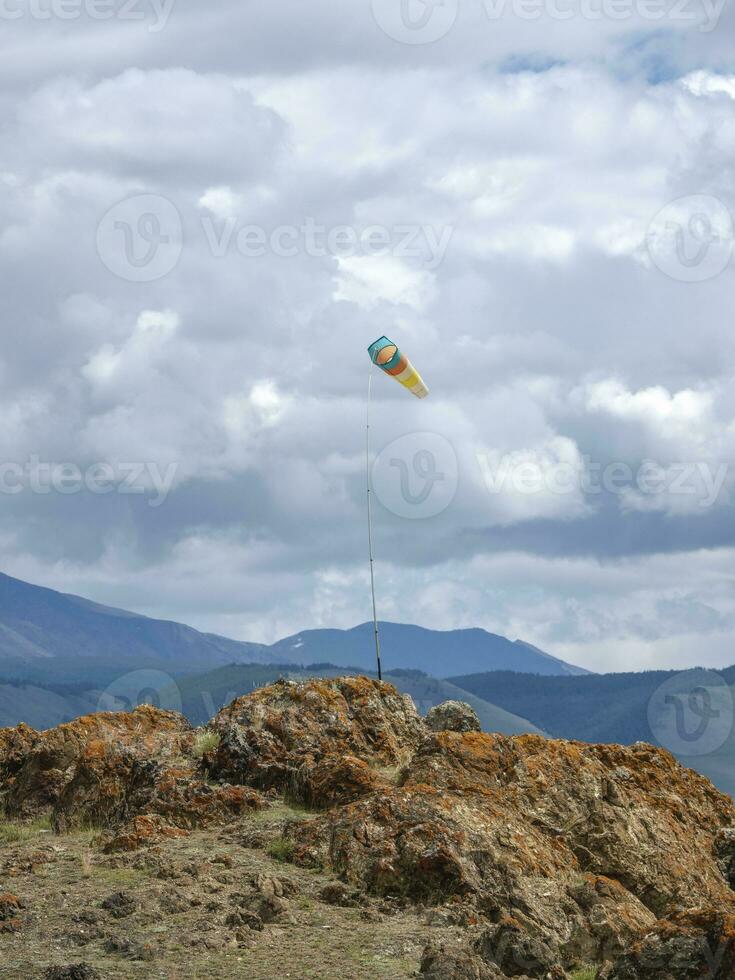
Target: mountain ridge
{"type": "Point", "coordinates": [46, 633]}
{"type": "Point", "coordinates": [435, 652]}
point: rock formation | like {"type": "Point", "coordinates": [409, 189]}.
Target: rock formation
{"type": "Point", "coordinates": [452, 716]}
{"type": "Point", "coordinates": [549, 855]}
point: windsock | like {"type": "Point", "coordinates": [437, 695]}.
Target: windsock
{"type": "Point", "coordinates": [386, 355]}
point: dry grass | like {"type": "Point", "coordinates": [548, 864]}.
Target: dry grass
{"type": "Point", "coordinates": [16, 831]}
{"type": "Point", "coordinates": [205, 742]}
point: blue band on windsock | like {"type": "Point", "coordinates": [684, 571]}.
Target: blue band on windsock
{"type": "Point", "coordinates": [375, 348]}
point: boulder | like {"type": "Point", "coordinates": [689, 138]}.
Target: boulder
{"type": "Point", "coordinates": [320, 741]}
{"type": "Point", "coordinates": [35, 768]}
{"type": "Point", "coordinates": [693, 944]}
{"type": "Point", "coordinates": [453, 716]}
{"type": "Point", "coordinates": [440, 963]}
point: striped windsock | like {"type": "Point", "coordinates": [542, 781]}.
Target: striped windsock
{"type": "Point", "coordinates": [386, 355]}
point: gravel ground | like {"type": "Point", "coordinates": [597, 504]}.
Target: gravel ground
{"type": "Point", "coordinates": [182, 911]}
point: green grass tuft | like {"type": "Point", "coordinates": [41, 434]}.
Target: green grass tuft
{"type": "Point", "coordinates": [205, 742]}
{"type": "Point", "coordinates": [584, 973]}
{"type": "Point", "coordinates": [281, 849]}
{"type": "Point", "coordinates": [16, 831]}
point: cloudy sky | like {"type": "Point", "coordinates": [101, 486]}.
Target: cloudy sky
{"type": "Point", "coordinates": [208, 211]}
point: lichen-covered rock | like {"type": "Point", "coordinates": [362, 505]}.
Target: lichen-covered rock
{"type": "Point", "coordinates": [517, 952]}
{"type": "Point", "coordinates": [453, 716]}
{"type": "Point", "coordinates": [583, 845]}
{"type": "Point", "coordinates": [106, 770]}
{"type": "Point", "coordinates": [393, 843]}
{"type": "Point", "coordinates": [111, 785]}
{"type": "Point", "coordinates": [440, 963]}
{"type": "Point", "coordinates": [725, 853]}
{"type": "Point", "coordinates": [337, 779]}
{"type": "Point", "coordinates": [316, 740]}
{"type": "Point", "coordinates": [10, 912]}
{"type": "Point", "coordinates": [139, 832]}
{"type": "Point", "coordinates": [611, 917]}
{"type": "Point", "coordinates": [15, 747]}
{"type": "Point", "coordinates": [694, 944]}
{"type": "Point", "coordinates": [36, 767]}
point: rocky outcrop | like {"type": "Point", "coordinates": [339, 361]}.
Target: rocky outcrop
{"type": "Point", "coordinates": [695, 944]}
{"type": "Point", "coordinates": [134, 772]}
{"type": "Point", "coordinates": [452, 716]}
{"type": "Point", "coordinates": [110, 787]}
{"type": "Point", "coordinates": [549, 854]}
{"type": "Point", "coordinates": [320, 742]}
{"type": "Point", "coordinates": [37, 767]}
{"type": "Point", "coordinates": [526, 823]}
{"type": "Point", "coordinates": [440, 963]}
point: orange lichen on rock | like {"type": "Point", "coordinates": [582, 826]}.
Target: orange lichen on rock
{"type": "Point", "coordinates": [277, 736]}
{"type": "Point", "coordinates": [10, 909]}
{"type": "Point", "coordinates": [139, 832]}
{"type": "Point", "coordinates": [37, 777]}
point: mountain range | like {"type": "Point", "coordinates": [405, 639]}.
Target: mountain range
{"type": "Point", "coordinates": [48, 636]}
{"type": "Point", "coordinates": [62, 656]}
{"type": "Point", "coordinates": [435, 652]}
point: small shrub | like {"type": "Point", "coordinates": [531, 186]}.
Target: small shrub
{"type": "Point", "coordinates": [584, 973]}
{"type": "Point", "coordinates": [281, 849]}
{"type": "Point", "coordinates": [205, 742]}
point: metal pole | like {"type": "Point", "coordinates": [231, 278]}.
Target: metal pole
{"type": "Point", "coordinates": [370, 524]}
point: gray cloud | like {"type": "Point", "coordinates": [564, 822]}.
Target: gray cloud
{"type": "Point", "coordinates": [548, 334]}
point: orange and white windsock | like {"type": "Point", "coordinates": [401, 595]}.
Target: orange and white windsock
{"type": "Point", "coordinates": [386, 355]}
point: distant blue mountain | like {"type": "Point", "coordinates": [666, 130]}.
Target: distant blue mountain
{"type": "Point", "coordinates": [436, 652]}
{"type": "Point", "coordinates": [48, 637]}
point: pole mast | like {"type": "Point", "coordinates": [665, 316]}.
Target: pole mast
{"type": "Point", "coordinates": [370, 523]}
